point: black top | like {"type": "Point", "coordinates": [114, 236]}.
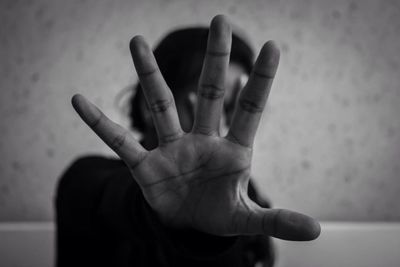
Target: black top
{"type": "Point", "coordinates": [104, 220]}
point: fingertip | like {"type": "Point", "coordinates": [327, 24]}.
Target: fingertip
{"type": "Point", "coordinates": [268, 60]}
{"type": "Point", "coordinates": [308, 229]}
{"type": "Point", "coordinates": [295, 226]}
{"type": "Point", "coordinates": [75, 100]}
{"type": "Point", "coordinates": [138, 45]}
{"type": "Point", "coordinates": [314, 229]}
{"type": "Point", "coordinates": [81, 105]}
{"type": "Point", "coordinates": [220, 25]}
{"type": "Point", "coordinates": [271, 52]}
{"type": "Point", "coordinates": [220, 37]}
{"type": "Point", "coordinates": [271, 45]}
{"type": "Point", "coordinates": [220, 20]}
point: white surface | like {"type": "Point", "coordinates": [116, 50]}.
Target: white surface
{"type": "Point", "coordinates": [27, 244]}
{"type": "Point", "coordinates": [345, 245]}
{"type": "Point", "coordinates": [340, 245]}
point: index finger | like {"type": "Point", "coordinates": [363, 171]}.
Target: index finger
{"type": "Point", "coordinates": [254, 96]}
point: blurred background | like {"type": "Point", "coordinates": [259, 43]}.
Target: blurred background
{"type": "Point", "coordinates": [329, 142]}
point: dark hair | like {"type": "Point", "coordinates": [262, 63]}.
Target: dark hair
{"type": "Point", "coordinates": [180, 57]}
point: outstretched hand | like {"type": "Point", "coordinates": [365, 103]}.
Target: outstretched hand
{"type": "Point", "coordinates": [199, 179]}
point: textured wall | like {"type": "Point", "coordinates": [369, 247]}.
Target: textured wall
{"type": "Point", "coordinates": [329, 143]}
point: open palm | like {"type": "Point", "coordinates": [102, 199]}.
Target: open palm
{"type": "Point", "coordinates": [199, 179]}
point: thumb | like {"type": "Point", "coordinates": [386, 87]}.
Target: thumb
{"type": "Point", "coordinates": [281, 223]}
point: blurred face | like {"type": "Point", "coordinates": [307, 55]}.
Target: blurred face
{"type": "Point", "coordinates": [186, 101]}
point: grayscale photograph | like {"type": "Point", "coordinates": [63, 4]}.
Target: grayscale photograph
{"type": "Point", "coordinates": [171, 133]}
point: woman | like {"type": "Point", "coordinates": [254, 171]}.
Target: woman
{"type": "Point", "coordinates": [190, 202]}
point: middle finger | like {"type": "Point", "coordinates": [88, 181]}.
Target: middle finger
{"type": "Point", "coordinates": [212, 79]}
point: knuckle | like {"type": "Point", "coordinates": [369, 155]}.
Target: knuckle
{"type": "Point", "coordinates": [169, 138]}
{"type": "Point", "coordinates": [204, 130]}
{"type": "Point", "coordinates": [234, 139]}
{"type": "Point", "coordinates": [218, 53]}
{"type": "Point", "coordinates": [118, 141]}
{"type": "Point", "coordinates": [96, 121]}
{"type": "Point", "coordinates": [250, 106]}
{"type": "Point", "coordinates": [141, 157]}
{"type": "Point", "coordinates": [266, 74]}
{"type": "Point", "coordinates": [161, 105]}
{"type": "Point", "coordinates": [210, 91]}
{"type": "Point", "coordinates": [274, 223]}
{"type": "Point", "coordinates": [147, 73]}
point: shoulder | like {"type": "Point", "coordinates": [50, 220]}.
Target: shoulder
{"type": "Point", "coordinates": [88, 174]}
{"type": "Point", "coordinates": [94, 163]}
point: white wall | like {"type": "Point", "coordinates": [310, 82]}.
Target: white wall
{"type": "Point", "coordinates": [340, 244]}
{"type": "Point", "coordinates": [329, 143]}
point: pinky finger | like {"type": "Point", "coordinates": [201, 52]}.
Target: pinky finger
{"type": "Point", "coordinates": [115, 136]}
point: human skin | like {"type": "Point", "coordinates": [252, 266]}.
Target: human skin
{"type": "Point", "coordinates": [186, 102]}
{"type": "Point", "coordinates": [198, 179]}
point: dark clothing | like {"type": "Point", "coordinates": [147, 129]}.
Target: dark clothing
{"type": "Point", "coordinates": [104, 220]}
